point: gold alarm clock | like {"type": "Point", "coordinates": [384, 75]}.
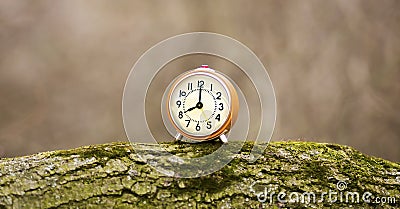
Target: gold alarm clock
{"type": "Point", "coordinates": [202, 104]}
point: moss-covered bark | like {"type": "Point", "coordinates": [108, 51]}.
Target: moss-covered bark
{"type": "Point", "coordinates": [112, 176]}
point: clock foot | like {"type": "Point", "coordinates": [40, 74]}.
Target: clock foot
{"type": "Point", "coordinates": [223, 138]}
{"type": "Point", "coordinates": [178, 137]}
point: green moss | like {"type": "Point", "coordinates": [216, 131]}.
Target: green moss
{"type": "Point", "coordinates": [191, 150]}
{"type": "Point", "coordinates": [111, 175]}
{"type": "Point", "coordinates": [104, 151]}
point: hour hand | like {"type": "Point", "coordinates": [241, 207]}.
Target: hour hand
{"type": "Point", "coordinates": [199, 105]}
{"type": "Point", "coordinates": [190, 109]}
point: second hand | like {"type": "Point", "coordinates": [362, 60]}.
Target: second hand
{"type": "Point", "coordinates": [204, 115]}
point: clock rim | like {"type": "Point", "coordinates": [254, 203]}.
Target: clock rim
{"type": "Point", "coordinates": [232, 96]}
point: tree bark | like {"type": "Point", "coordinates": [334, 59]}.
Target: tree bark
{"type": "Point", "coordinates": [113, 176]}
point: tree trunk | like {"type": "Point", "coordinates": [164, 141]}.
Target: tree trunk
{"type": "Point", "coordinates": [288, 174]}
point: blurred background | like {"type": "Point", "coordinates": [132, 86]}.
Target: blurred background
{"type": "Point", "coordinates": [335, 66]}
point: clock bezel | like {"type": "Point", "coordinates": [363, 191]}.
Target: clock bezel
{"type": "Point", "coordinates": [232, 98]}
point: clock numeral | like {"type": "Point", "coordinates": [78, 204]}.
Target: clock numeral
{"type": "Point", "coordinates": [210, 87]}
{"type": "Point", "coordinates": [200, 84]}
{"type": "Point", "coordinates": [182, 93]}
{"type": "Point", "coordinates": [218, 95]}
{"type": "Point", "coordinates": [180, 115]}
{"type": "Point", "coordinates": [188, 122]}
{"type": "Point", "coordinates": [198, 126]}
{"type": "Point", "coordinates": [190, 86]}
{"type": "Point", "coordinates": [178, 103]}
{"type": "Point", "coordinates": [208, 125]}
{"type": "Point", "coordinates": [221, 106]}
{"type": "Point", "coordinates": [218, 117]}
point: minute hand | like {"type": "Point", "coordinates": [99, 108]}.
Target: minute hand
{"type": "Point", "coordinates": [200, 94]}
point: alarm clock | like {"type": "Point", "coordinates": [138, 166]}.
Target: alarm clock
{"type": "Point", "coordinates": [202, 104]}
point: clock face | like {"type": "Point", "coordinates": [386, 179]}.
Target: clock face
{"type": "Point", "coordinates": [199, 104]}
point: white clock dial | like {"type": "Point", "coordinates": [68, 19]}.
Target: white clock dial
{"type": "Point", "coordinates": [199, 104]}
